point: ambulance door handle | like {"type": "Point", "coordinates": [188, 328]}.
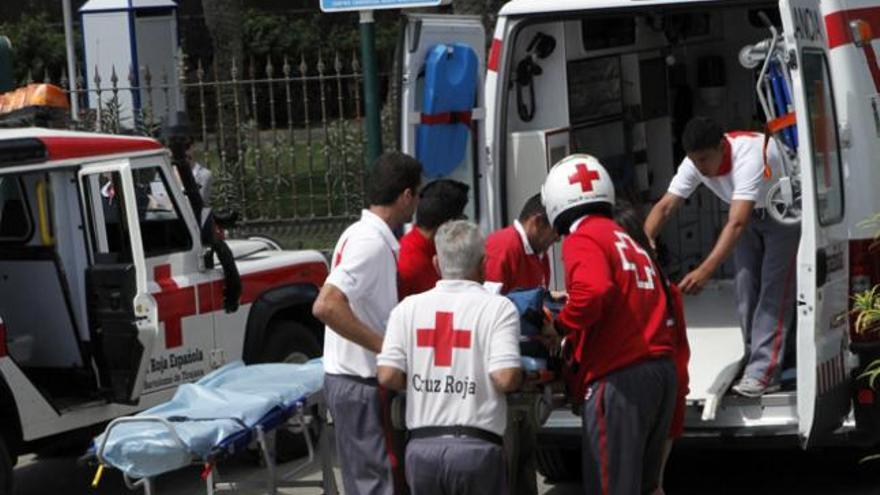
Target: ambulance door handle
{"type": "Point", "coordinates": [821, 267]}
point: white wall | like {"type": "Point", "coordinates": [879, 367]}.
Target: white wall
{"type": "Point", "coordinates": [106, 38]}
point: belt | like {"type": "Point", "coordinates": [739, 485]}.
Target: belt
{"type": "Point", "coordinates": [456, 431]}
{"type": "Point", "coordinates": [371, 381]}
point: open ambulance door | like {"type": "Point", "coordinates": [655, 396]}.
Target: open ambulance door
{"type": "Point", "coordinates": [821, 268]}
{"type": "Point", "coordinates": [123, 316]}
{"type": "Point", "coordinates": [442, 61]}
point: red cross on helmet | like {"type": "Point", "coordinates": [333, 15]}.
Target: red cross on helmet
{"type": "Point", "coordinates": [575, 181]}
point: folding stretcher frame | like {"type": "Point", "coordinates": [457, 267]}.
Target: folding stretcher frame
{"type": "Point", "coordinates": [296, 419]}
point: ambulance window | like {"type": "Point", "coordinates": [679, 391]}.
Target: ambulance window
{"type": "Point", "coordinates": [163, 229]}
{"type": "Point", "coordinates": [15, 223]}
{"type": "Point", "coordinates": [827, 168]}
{"type": "Point", "coordinates": [111, 242]}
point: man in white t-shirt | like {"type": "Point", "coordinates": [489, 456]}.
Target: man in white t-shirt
{"type": "Point", "coordinates": [354, 303]}
{"type": "Point", "coordinates": [455, 350]}
{"type": "Point", "coordinates": [733, 166]}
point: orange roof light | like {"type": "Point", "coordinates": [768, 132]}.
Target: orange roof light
{"type": "Point", "coordinates": [861, 32]}
{"type": "Point", "coordinates": [33, 95]}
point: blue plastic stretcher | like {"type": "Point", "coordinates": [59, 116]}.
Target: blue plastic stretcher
{"type": "Point", "coordinates": [222, 414]}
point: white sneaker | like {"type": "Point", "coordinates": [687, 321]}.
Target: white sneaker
{"type": "Point", "coordinates": [752, 387]}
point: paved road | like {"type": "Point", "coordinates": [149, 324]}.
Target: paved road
{"type": "Point", "coordinates": [691, 471]}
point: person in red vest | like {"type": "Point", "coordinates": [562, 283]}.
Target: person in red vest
{"type": "Point", "coordinates": [629, 218]}
{"type": "Point", "coordinates": [617, 315]}
{"type": "Point", "coordinates": [516, 256]}
{"type": "Point", "coordinates": [439, 202]}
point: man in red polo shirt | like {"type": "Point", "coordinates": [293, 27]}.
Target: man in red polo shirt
{"type": "Point", "coordinates": [516, 256]}
{"type": "Point", "coordinates": [618, 317]}
{"type": "Point", "coordinates": [439, 202]}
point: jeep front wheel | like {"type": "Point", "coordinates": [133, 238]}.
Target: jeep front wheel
{"type": "Point", "coordinates": [288, 342]}
{"type": "Point", "coordinates": [293, 343]}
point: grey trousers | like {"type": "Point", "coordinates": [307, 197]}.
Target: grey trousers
{"type": "Point", "coordinates": [455, 466]}
{"type": "Point", "coordinates": [765, 257]}
{"type": "Point", "coordinates": [626, 417]}
{"type": "Point", "coordinates": [365, 444]}
{"type": "Point", "coordinates": [520, 448]}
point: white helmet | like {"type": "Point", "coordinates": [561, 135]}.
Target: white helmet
{"type": "Point", "coordinates": [574, 181]}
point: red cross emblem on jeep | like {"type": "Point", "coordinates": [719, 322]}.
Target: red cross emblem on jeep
{"type": "Point", "coordinates": [174, 303]}
{"type": "Point", "coordinates": [443, 338]}
{"type": "Point", "coordinates": [584, 176]}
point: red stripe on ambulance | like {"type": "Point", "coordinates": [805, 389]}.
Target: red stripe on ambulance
{"type": "Point", "coordinates": [176, 303]}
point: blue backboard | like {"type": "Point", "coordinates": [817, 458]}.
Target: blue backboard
{"type": "Point", "coordinates": [355, 5]}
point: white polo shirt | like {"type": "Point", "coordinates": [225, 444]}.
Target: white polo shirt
{"type": "Point", "coordinates": [448, 340]}
{"type": "Point", "coordinates": [741, 176]}
{"type": "Point", "coordinates": [364, 268]}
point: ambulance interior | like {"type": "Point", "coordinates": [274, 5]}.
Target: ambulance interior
{"type": "Point", "coordinates": [42, 278]}
{"type": "Point", "coordinates": [64, 320]}
{"type": "Point", "coordinates": [630, 82]}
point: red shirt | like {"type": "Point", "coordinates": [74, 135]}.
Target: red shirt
{"type": "Point", "coordinates": [508, 263]}
{"type": "Point", "coordinates": [682, 355]}
{"type": "Point", "coordinates": [616, 304]}
{"type": "Point", "coordinates": [415, 265]}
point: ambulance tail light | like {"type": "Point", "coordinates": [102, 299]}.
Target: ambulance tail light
{"type": "Point", "coordinates": [864, 273]}
{"type": "Point", "coordinates": [494, 55]}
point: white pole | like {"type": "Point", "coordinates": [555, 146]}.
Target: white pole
{"type": "Point", "coordinates": [71, 60]}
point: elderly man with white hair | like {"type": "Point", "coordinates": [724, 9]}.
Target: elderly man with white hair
{"type": "Point", "coordinates": [455, 350]}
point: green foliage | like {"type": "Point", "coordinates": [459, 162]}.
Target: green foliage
{"type": "Point", "coordinates": [37, 44]}
{"type": "Point", "coordinates": [866, 308]}
{"type": "Point", "coordinates": [275, 35]}
{"type": "Point", "coordinates": [866, 305]}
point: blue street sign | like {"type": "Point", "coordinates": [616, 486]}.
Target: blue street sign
{"type": "Point", "coordinates": [354, 5]}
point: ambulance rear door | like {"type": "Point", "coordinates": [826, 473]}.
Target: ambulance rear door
{"type": "Point", "coordinates": [821, 267]}
{"type": "Point", "coordinates": [123, 315]}
{"type": "Point", "coordinates": [442, 60]}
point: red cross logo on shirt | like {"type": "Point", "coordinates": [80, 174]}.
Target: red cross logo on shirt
{"type": "Point", "coordinates": [584, 176]}
{"type": "Point", "coordinates": [174, 303]}
{"type": "Point", "coordinates": [635, 259]}
{"type": "Point", "coordinates": [443, 338]}
{"type": "Point", "coordinates": [339, 254]}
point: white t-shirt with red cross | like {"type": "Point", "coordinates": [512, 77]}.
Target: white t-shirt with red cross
{"type": "Point", "coordinates": [364, 268]}
{"type": "Point", "coordinates": [741, 175]}
{"type": "Point", "coordinates": [448, 340]}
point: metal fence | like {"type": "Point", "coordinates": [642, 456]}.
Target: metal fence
{"type": "Point", "coordinates": [283, 138]}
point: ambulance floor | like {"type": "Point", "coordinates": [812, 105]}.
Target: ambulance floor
{"type": "Point", "coordinates": [714, 336]}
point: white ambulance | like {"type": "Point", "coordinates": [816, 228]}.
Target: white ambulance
{"type": "Point", "coordinates": [109, 293]}
{"type": "Point", "coordinates": [618, 79]}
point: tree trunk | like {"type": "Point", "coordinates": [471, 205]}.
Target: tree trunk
{"type": "Point", "coordinates": [223, 19]}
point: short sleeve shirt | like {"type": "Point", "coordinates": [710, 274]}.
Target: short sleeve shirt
{"type": "Point", "coordinates": [741, 176]}
{"type": "Point", "coordinates": [364, 268]}
{"type": "Point", "coordinates": [448, 340]}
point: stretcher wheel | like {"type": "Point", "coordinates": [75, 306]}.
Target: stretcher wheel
{"type": "Point", "coordinates": [783, 202]}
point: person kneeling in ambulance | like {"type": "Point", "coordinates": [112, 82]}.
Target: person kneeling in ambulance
{"type": "Point", "coordinates": [455, 350]}
{"type": "Point", "coordinates": [617, 315]}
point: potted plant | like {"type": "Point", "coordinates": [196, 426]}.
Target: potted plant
{"type": "Point", "coordinates": [866, 345]}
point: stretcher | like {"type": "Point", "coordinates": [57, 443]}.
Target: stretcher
{"type": "Point", "coordinates": [226, 412]}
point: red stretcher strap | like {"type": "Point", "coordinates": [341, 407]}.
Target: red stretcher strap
{"type": "Point", "coordinates": [773, 127]}
{"type": "Point", "coordinates": [448, 118]}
